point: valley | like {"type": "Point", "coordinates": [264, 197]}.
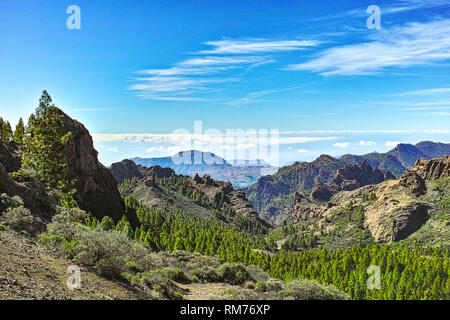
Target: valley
{"type": "Point", "coordinates": [310, 231]}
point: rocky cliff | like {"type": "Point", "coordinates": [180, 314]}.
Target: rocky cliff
{"type": "Point", "coordinates": [432, 169]}
{"type": "Point", "coordinates": [96, 187]}
{"type": "Point", "coordinates": [272, 195]}
{"type": "Point", "coordinates": [392, 210]}
{"type": "Point", "coordinates": [349, 177]}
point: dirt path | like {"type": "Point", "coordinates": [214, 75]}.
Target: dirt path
{"type": "Point", "coordinates": [205, 291]}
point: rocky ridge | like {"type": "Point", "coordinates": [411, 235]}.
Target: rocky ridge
{"type": "Point", "coordinates": [392, 210]}
{"type": "Point", "coordinates": [162, 188]}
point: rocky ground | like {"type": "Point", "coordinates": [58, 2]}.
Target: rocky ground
{"type": "Point", "coordinates": [28, 271]}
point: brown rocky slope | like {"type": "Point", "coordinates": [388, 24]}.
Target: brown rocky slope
{"type": "Point", "coordinates": [392, 210]}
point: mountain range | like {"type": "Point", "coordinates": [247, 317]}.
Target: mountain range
{"type": "Point", "coordinates": [272, 195]}
{"type": "Point", "coordinates": [158, 234]}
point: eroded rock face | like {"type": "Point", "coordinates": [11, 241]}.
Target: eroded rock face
{"type": "Point", "coordinates": [349, 177]}
{"type": "Point", "coordinates": [413, 182]}
{"type": "Point", "coordinates": [320, 192]}
{"type": "Point", "coordinates": [125, 170]}
{"type": "Point", "coordinates": [395, 209]}
{"type": "Point", "coordinates": [158, 171]}
{"type": "Point", "coordinates": [432, 169]}
{"type": "Point", "coordinates": [96, 187]}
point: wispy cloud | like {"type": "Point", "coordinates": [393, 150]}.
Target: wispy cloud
{"type": "Point", "coordinates": [445, 114]}
{"type": "Point", "coordinates": [426, 92]}
{"type": "Point", "coordinates": [399, 6]}
{"type": "Point", "coordinates": [404, 46]}
{"type": "Point", "coordinates": [252, 46]}
{"type": "Point", "coordinates": [186, 138]}
{"type": "Point", "coordinates": [197, 74]}
{"type": "Point", "coordinates": [254, 96]}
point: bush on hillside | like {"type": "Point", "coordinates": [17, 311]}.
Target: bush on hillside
{"type": "Point", "coordinates": [21, 220]}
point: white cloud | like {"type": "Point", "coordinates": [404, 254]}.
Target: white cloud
{"type": "Point", "coordinates": [203, 139]}
{"type": "Point", "coordinates": [251, 46]}
{"type": "Point", "coordinates": [254, 96]}
{"type": "Point", "coordinates": [290, 147]}
{"type": "Point", "coordinates": [391, 144]}
{"type": "Point", "coordinates": [440, 113]}
{"type": "Point", "coordinates": [366, 143]}
{"type": "Point", "coordinates": [397, 7]}
{"type": "Point", "coordinates": [404, 46]}
{"type": "Point", "coordinates": [197, 74]}
{"type": "Point", "coordinates": [302, 150]}
{"type": "Point", "coordinates": [432, 91]}
{"type": "Point", "coordinates": [114, 149]}
{"type": "Point", "coordinates": [341, 145]}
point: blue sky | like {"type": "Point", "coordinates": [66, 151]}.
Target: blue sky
{"type": "Point", "coordinates": [138, 70]}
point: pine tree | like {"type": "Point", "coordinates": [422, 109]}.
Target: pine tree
{"type": "Point", "coordinates": [19, 133]}
{"type": "Point", "coordinates": [5, 131]}
{"type": "Point", "coordinates": [45, 143]}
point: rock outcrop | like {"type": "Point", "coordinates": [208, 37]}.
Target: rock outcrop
{"type": "Point", "coordinates": [321, 192]}
{"type": "Point", "coordinates": [432, 169]}
{"type": "Point", "coordinates": [97, 190]}
{"type": "Point", "coordinates": [125, 170]}
{"type": "Point", "coordinates": [347, 178]}
{"type": "Point", "coordinates": [391, 210]}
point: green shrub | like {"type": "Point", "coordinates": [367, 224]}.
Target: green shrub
{"type": "Point", "coordinates": [177, 275]}
{"type": "Point", "coordinates": [206, 274]}
{"type": "Point", "coordinates": [7, 202]}
{"type": "Point", "coordinates": [310, 290]}
{"type": "Point", "coordinates": [21, 220]}
{"type": "Point", "coordinates": [233, 273]}
{"type": "Point", "coordinates": [249, 285]}
{"type": "Point", "coordinates": [271, 284]}
{"type": "Point", "coordinates": [106, 224]}
{"type": "Point", "coordinates": [159, 281]}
